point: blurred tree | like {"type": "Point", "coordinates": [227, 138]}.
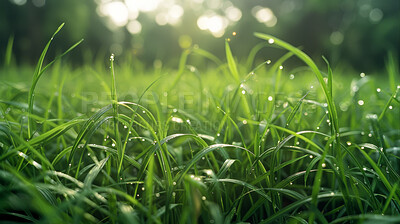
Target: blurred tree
{"type": "Point", "coordinates": [356, 32]}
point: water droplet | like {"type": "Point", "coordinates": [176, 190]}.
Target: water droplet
{"type": "Point", "coordinates": [125, 126]}
{"type": "Point", "coordinates": [323, 165]}
{"type": "Point", "coordinates": [317, 128]}
{"type": "Point", "coordinates": [390, 107]}
{"type": "Point", "coordinates": [157, 195]}
{"type": "Point", "coordinates": [378, 90]}
{"type": "Point", "coordinates": [268, 62]}
{"type": "Point", "coordinates": [243, 92]}
{"type": "Point", "coordinates": [271, 41]}
{"type": "Point", "coordinates": [281, 67]}
{"type": "Point", "coordinates": [218, 134]}
{"type": "Point", "coordinates": [364, 168]}
{"type": "Point", "coordinates": [311, 87]}
{"type": "Point", "coordinates": [173, 194]}
{"type": "Point", "coordinates": [291, 76]}
{"type": "Point", "coordinates": [174, 183]}
{"type": "Point", "coordinates": [234, 33]}
{"type": "Point", "coordinates": [291, 183]}
{"type": "Point", "coordinates": [113, 144]}
{"type": "Point", "coordinates": [311, 156]}
{"type": "Point", "coordinates": [174, 110]}
{"type": "Point", "coordinates": [332, 193]}
{"type": "Point", "coordinates": [88, 154]}
{"type": "Point", "coordinates": [244, 121]}
{"type": "Point", "coordinates": [360, 102]}
{"type": "Point", "coordinates": [143, 188]}
{"type": "Point", "coordinates": [203, 198]}
{"type": "Point", "coordinates": [370, 135]}
{"type": "Point", "coordinates": [144, 112]}
{"type": "Point", "coordinates": [362, 74]}
{"type": "Point", "coordinates": [348, 143]}
{"type": "Point", "coordinates": [270, 98]}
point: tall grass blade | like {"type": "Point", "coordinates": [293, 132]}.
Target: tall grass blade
{"type": "Point", "coordinates": [231, 62]}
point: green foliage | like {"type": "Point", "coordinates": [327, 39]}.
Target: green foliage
{"type": "Point", "coordinates": [200, 145]}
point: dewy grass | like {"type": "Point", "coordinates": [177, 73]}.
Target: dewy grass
{"type": "Point", "coordinates": [224, 145]}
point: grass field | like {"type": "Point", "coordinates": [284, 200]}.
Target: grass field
{"type": "Point", "coordinates": [226, 142]}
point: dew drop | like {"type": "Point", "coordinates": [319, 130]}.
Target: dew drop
{"type": "Point", "coordinates": [323, 165]}
{"type": "Point", "coordinates": [271, 41]}
{"type": "Point", "coordinates": [360, 102]}
{"type": "Point", "coordinates": [203, 198]}
{"type": "Point", "coordinates": [244, 121]}
{"type": "Point", "coordinates": [268, 62]}
{"type": "Point", "coordinates": [157, 195]}
{"type": "Point", "coordinates": [270, 98]}
{"type": "Point", "coordinates": [291, 76]}
{"type": "Point", "coordinates": [348, 143]}
{"type": "Point", "coordinates": [174, 183]}
{"type": "Point", "coordinates": [281, 67]}
{"type": "Point", "coordinates": [362, 74]}
{"type": "Point", "coordinates": [378, 90]}
{"type": "Point", "coordinates": [113, 144]}
{"type": "Point", "coordinates": [243, 92]}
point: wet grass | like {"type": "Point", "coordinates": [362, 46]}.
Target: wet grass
{"type": "Point", "coordinates": [236, 142]}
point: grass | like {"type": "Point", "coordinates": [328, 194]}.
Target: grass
{"type": "Point", "coordinates": [237, 142]}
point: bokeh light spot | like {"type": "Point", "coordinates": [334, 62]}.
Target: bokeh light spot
{"type": "Point", "coordinates": [336, 38]}
{"type": "Point", "coordinates": [375, 15]}
{"type": "Point", "coordinates": [134, 27]}
{"type": "Point", "coordinates": [117, 11]}
{"type": "Point", "coordinates": [185, 41]}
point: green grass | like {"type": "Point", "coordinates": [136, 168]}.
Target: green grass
{"type": "Point", "coordinates": [230, 142]}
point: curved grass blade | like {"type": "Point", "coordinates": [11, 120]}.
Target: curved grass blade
{"type": "Point", "coordinates": [231, 62]}
{"type": "Point", "coordinates": [38, 73]}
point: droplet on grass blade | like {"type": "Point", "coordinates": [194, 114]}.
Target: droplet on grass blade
{"type": "Point", "coordinates": [271, 41]}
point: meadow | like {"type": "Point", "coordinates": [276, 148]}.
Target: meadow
{"type": "Point", "coordinates": [215, 141]}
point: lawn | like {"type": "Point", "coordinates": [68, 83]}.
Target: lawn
{"type": "Point", "coordinates": [209, 140]}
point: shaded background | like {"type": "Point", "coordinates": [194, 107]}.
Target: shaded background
{"type": "Point", "coordinates": [357, 33]}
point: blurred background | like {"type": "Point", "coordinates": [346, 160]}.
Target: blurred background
{"type": "Point", "coordinates": [356, 33]}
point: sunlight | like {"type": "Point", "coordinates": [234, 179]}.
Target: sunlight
{"type": "Point", "coordinates": [216, 24]}
{"type": "Point", "coordinates": [264, 15]}
{"type": "Point", "coordinates": [116, 11]}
